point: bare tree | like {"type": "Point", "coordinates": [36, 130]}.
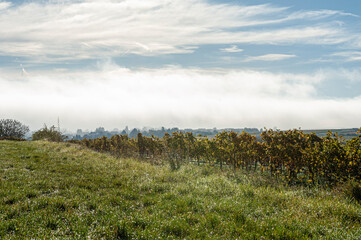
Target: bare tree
{"type": "Point", "coordinates": [12, 128]}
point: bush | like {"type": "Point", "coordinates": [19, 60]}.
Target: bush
{"type": "Point", "coordinates": [12, 139]}
{"type": "Point", "coordinates": [49, 134]}
{"type": "Point", "coordinates": [12, 128]}
{"type": "Point", "coordinates": [352, 189]}
{"type": "Point", "coordinates": [356, 192]}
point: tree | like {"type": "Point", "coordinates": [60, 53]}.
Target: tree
{"type": "Point", "coordinates": [49, 134]}
{"type": "Point", "coordinates": [12, 128]}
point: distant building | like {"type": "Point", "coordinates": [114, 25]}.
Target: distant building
{"type": "Point", "coordinates": [100, 130]}
{"type": "Point", "coordinates": [79, 132]}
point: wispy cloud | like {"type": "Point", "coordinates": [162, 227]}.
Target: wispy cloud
{"type": "Point", "coordinates": [305, 16]}
{"type": "Point", "coordinates": [91, 28]}
{"type": "Point", "coordinates": [313, 15]}
{"type": "Point", "coordinates": [232, 49]}
{"type": "Point", "coordinates": [349, 55]}
{"type": "Point", "coordinates": [270, 57]}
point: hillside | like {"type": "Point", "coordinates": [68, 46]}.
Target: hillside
{"type": "Point", "coordinates": [50, 190]}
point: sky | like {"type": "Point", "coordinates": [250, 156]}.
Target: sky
{"type": "Point", "coordinates": [181, 63]}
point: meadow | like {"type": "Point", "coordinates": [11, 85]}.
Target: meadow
{"type": "Point", "coordinates": [67, 191]}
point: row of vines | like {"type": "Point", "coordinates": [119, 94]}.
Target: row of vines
{"type": "Point", "coordinates": [292, 155]}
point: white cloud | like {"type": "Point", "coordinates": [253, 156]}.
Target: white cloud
{"type": "Point", "coordinates": [115, 97]}
{"type": "Point", "coordinates": [91, 28]}
{"type": "Point", "coordinates": [343, 75]}
{"type": "Point", "coordinates": [232, 49]}
{"type": "Point", "coordinates": [5, 5]}
{"type": "Point", "coordinates": [270, 57]}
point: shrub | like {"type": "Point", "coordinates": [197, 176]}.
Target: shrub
{"type": "Point", "coordinates": [12, 128]}
{"type": "Point", "coordinates": [49, 134]}
{"type": "Point", "coordinates": [353, 190]}
{"type": "Point", "coordinates": [12, 139]}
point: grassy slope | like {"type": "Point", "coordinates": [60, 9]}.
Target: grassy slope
{"type": "Point", "coordinates": [50, 190]}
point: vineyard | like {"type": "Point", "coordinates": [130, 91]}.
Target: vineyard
{"type": "Point", "coordinates": [292, 156]}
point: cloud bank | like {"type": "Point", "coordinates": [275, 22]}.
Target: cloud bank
{"type": "Point", "coordinates": [115, 97]}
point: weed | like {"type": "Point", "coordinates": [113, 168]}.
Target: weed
{"type": "Point", "coordinates": [121, 232]}
{"type": "Point", "coordinates": [176, 227]}
{"type": "Point", "coordinates": [174, 163]}
{"type": "Point", "coordinates": [352, 189]}
{"type": "Point", "coordinates": [10, 200]}
{"type": "Point", "coordinates": [52, 224]}
{"type": "Point", "coordinates": [31, 195]}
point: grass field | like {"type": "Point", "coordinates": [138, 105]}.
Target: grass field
{"type": "Point", "coordinates": [52, 190]}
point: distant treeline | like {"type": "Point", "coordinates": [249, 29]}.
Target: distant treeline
{"type": "Point", "coordinates": [101, 132]}
{"type": "Point", "coordinates": [293, 155]}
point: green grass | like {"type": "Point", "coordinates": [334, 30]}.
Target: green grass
{"type": "Point", "coordinates": [51, 190]}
